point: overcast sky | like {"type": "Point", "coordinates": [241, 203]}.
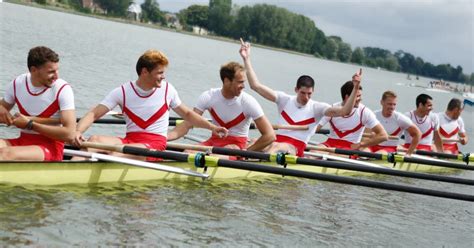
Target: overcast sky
{"type": "Point", "coordinates": [439, 31]}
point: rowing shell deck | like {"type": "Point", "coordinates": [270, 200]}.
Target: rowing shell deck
{"type": "Point", "coordinates": [89, 172]}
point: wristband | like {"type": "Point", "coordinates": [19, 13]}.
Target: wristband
{"type": "Point", "coordinates": [29, 125]}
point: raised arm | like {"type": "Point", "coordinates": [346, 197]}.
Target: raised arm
{"type": "Point", "coordinates": [267, 134]}
{"type": "Point", "coordinates": [335, 111]}
{"type": "Point", "coordinates": [255, 85]}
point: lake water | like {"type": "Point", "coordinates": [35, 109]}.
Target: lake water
{"type": "Point", "coordinates": [98, 55]}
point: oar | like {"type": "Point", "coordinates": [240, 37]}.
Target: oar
{"type": "Point", "coordinates": [344, 163]}
{"type": "Point", "coordinates": [393, 158]}
{"type": "Point", "coordinates": [451, 140]}
{"type": "Point", "coordinates": [200, 160]}
{"type": "Point", "coordinates": [133, 162]}
{"type": "Point", "coordinates": [390, 137]}
{"type": "Point", "coordinates": [466, 157]}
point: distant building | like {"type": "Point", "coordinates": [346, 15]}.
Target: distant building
{"type": "Point", "coordinates": [172, 21]}
{"type": "Point", "coordinates": [134, 11]}
{"type": "Point", "coordinates": [199, 30]}
{"type": "Point", "coordinates": [94, 7]}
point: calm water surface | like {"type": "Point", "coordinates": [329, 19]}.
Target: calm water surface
{"type": "Point", "coordinates": [98, 55]}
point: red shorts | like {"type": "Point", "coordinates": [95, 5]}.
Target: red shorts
{"type": "Point", "coordinates": [241, 142]}
{"type": "Point", "coordinates": [383, 148]}
{"type": "Point", "coordinates": [52, 149]}
{"type": "Point", "coordinates": [335, 143]}
{"type": "Point", "coordinates": [420, 147]}
{"type": "Point", "coordinates": [150, 140]}
{"type": "Point", "coordinates": [453, 148]}
{"type": "Point", "coordinates": [298, 144]}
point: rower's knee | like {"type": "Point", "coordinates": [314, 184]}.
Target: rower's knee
{"type": "Point", "coordinates": [7, 154]}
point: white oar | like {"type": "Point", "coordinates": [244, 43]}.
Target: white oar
{"type": "Point", "coordinates": [341, 159]}
{"type": "Point", "coordinates": [133, 162]}
{"type": "Point", "coordinates": [423, 157]}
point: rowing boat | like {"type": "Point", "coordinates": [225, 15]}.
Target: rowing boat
{"type": "Point", "coordinates": [93, 172]}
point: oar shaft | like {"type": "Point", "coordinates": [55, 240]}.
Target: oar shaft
{"type": "Point", "coordinates": [398, 158]}
{"type": "Point", "coordinates": [346, 152]}
{"type": "Point", "coordinates": [305, 174]}
{"type": "Point", "coordinates": [385, 171]}
{"type": "Point", "coordinates": [438, 163]}
{"type": "Point", "coordinates": [370, 168]}
{"type": "Point", "coordinates": [221, 150]}
{"type": "Point", "coordinates": [436, 154]}
{"type": "Point", "coordinates": [390, 137]}
{"type": "Point", "coordinates": [343, 180]}
{"type": "Point", "coordinates": [132, 162]}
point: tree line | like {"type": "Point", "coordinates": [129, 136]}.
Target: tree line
{"type": "Point", "coordinates": [277, 27]}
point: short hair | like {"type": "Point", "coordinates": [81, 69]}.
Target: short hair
{"type": "Point", "coordinates": [150, 60]}
{"type": "Point", "coordinates": [228, 70]}
{"type": "Point", "coordinates": [454, 104]}
{"type": "Point", "coordinates": [40, 55]}
{"type": "Point", "coordinates": [422, 98]}
{"type": "Point", "coordinates": [388, 94]}
{"type": "Point", "coordinates": [346, 89]}
{"type": "Point", "coordinates": [305, 81]}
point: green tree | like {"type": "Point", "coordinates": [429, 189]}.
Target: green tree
{"type": "Point", "coordinates": [418, 65]}
{"type": "Point", "coordinates": [151, 12]}
{"type": "Point", "coordinates": [114, 7]}
{"type": "Point", "coordinates": [301, 33]}
{"type": "Point", "coordinates": [358, 56]}
{"type": "Point", "coordinates": [318, 43]}
{"type": "Point", "coordinates": [344, 52]}
{"type": "Point", "coordinates": [242, 24]}
{"type": "Point", "coordinates": [194, 15]}
{"type": "Point", "coordinates": [391, 63]}
{"type": "Point", "coordinates": [330, 48]}
{"type": "Point", "coordinates": [220, 20]}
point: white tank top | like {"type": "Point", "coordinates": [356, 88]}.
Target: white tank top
{"type": "Point", "coordinates": [292, 113]}
{"type": "Point", "coordinates": [234, 114]}
{"type": "Point", "coordinates": [39, 101]}
{"type": "Point", "coordinates": [449, 128]}
{"type": "Point", "coordinates": [427, 126]}
{"type": "Point", "coordinates": [350, 128]}
{"type": "Point", "coordinates": [144, 111]}
{"type": "Point", "coordinates": [393, 125]}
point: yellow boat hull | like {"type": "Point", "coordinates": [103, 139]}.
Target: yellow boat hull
{"type": "Point", "coordinates": [89, 172]}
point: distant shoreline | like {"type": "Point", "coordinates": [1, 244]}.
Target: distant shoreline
{"type": "Point", "coordinates": [153, 26]}
{"type": "Point", "coordinates": [212, 37]}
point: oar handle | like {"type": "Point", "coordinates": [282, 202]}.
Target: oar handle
{"type": "Point", "coordinates": [321, 148]}
{"type": "Point", "coordinates": [451, 140]}
{"type": "Point", "coordinates": [102, 146]}
{"type": "Point", "coordinates": [290, 127]}
{"type": "Point", "coordinates": [390, 137]}
{"type": "Point", "coordinates": [189, 147]}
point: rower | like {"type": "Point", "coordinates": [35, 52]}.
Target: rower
{"type": "Point", "coordinates": [427, 122]}
{"type": "Point", "coordinates": [394, 123]}
{"type": "Point", "coordinates": [346, 131]}
{"type": "Point", "coordinates": [451, 126]}
{"type": "Point", "coordinates": [234, 109]}
{"type": "Point", "coordinates": [295, 110]}
{"type": "Point", "coordinates": [39, 94]}
{"type": "Point", "coordinates": [145, 104]}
